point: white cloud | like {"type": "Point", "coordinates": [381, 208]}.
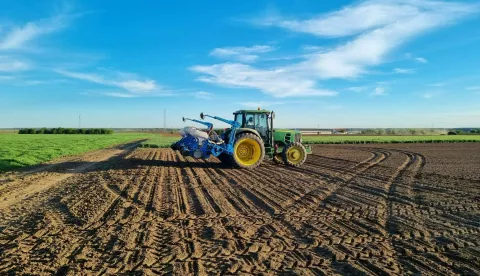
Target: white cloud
{"type": "Point", "coordinates": [8, 64]}
{"type": "Point", "coordinates": [137, 86]}
{"type": "Point", "coordinates": [375, 28]}
{"type": "Point", "coordinates": [128, 82]}
{"type": "Point", "coordinates": [312, 48]}
{"type": "Point", "coordinates": [119, 95]}
{"type": "Point", "coordinates": [203, 95]}
{"type": "Point", "coordinates": [18, 37]}
{"type": "Point", "coordinates": [473, 88]}
{"type": "Point", "coordinates": [379, 91]}
{"type": "Point", "coordinates": [404, 70]}
{"type": "Point", "coordinates": [357, 88]}
{"type": "Point", "coordinates": [275, 82]}
{"type": "Point", "coordinates": [421, 60]}
{"type": "Point", "coordinates": [243, 54]}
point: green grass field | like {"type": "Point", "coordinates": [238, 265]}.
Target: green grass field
{"type": "Point", "coordinates": [347, 139]}
{"type": "Point", "coordinates": [160, 142]}
{"type": "Point", "coordinates": [17, 151]}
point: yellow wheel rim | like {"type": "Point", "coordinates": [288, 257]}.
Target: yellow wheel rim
{"type": "Point", "coordinates": [295, 155]}
{"type": "Point", "coordinates": [247, 151]}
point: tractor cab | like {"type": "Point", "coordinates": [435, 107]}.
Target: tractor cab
{"type": "Point", "coordinates": [259, 120]}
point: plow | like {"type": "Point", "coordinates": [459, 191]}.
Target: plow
{"type": "Point", "coordinates": [250, 139]}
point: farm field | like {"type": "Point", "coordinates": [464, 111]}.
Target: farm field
{"type": "Point", "coordinates": [18, 151]}
{"type": "Point", "coordinates": [160, 141]}
{"type": "Point", "coordinates": [351, 209]}
{"type": "Point", "coordinates": [361, 139]}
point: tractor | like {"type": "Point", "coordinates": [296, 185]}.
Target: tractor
{"type": "Point", "coordinates": [246, 143]}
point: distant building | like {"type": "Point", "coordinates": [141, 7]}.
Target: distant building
{"type": "Point", "coordinates": [340, 131]}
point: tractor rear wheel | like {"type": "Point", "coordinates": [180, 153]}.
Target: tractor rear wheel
{"type": "Point", "coordinates": [249, 151]}
{"type": "Point", "coordinates": [294, 154]}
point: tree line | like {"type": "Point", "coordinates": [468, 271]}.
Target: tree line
{"type": "Point", "coordinates": [61, 130]}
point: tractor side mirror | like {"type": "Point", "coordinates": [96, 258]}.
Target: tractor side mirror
{"type": "Point", "coordinates": [273, 115]}
{"type": "Point", "coordinates": [202, 116]}
{"type": "Point", "coordinates": [183, 119]}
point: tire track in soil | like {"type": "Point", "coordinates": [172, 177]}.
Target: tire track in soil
{"type": "Point", "coordinates": [58, 221]}
{"type": "Point", "coordinates": [408, 228]}
{"type": "Point", "coordinates": [199, 219]}
{"type": "Point", "coordinates": [103, 236]}
{"type": "Point", "coordinates": [320, 194]}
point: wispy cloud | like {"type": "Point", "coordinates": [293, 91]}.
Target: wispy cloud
{"type": "Point", "coordinates": [357, 88]}
{"type": "Point", "coordinates": [431, 94]}
{"type": "Point", "coordinates": [8, 64]}
{"type": "Point", "coordinates": [21, 36]}
{"type": "Point", "coordinates": [275, 82]}
{"type": "Point", "coordinates": [421, 60]}
{"type": "Point", "coordinates": [128, 82]}
{"type": "Point", "coordinates": [243, 54]}
{"type": "Point", "coordinates": [312, 48]}
{"type": "Point", "coordinates": [203, 95]}
{"type": "Point", "coordinates": [373, 28]}
{"type": "Point", "coordinates": [378, 91]}
{"type": "Point", "coordinates": [119, 95]}
{"type": "Point", "coordinates": [404, 70]}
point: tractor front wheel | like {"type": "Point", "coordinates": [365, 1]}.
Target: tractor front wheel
{"type": "Point", "coordinates": [294, 154]}
{"type": "Point", "coordinates": [249, 151]}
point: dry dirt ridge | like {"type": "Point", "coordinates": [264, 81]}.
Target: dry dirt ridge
{"type": "Point", "coordinates": [376, 209]}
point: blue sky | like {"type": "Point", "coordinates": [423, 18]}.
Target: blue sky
{"type": "Point", "coordinates": [396, 63]}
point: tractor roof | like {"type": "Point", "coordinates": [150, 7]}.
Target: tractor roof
{"type": "Point", "coordinates": [252, 111]}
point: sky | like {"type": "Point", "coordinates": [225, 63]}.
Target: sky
{"type": "Point", "coordinates": [327, 64]}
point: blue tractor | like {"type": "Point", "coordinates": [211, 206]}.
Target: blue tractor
{"type": "Point", "coordinates": [245, 144]}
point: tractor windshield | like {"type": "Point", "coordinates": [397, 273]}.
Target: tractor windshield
{"type": "Point", "coordinates": [257, 121]}
{"type": "Point", "coordinates": [239, 119]}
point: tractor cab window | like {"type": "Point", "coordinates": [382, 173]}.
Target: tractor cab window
{"type": "Point", "coordinates": [250, 121]}
{"type": "Point", "coordinates": [261, 125]}
{"type": "Point", "coordinates": [239, 119]}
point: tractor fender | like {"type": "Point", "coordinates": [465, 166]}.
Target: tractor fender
{"type": "Point", "coordinates": [247, 130]}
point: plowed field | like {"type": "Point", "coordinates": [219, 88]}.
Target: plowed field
{"type": "Point", "coordinates": [373, 209]}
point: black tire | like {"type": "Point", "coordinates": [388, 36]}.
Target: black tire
{"type": "Point", "coordinates": [174, 146]}
{"type": "Point", "coordinates": [278, 159]}
{"type": "Point", "coordinates": [257, 150]}
{"type": "Point", "coordinates": [291, 159]}
{"type": "Point", "coordinates": [225, 159]}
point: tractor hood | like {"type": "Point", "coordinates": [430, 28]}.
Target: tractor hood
{"type": "Point", "coordinates": [287, 135]}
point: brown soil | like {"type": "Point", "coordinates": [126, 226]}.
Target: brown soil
{"type": "Point", "coordinates": [373, 209]}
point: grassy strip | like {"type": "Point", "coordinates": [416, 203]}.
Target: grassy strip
{"type": "Point", "coordinates": [344, 139]}
{"type": "Point", "coordinates": [18, 151]}
{"type": "Point", "coordinates": [159, 142]}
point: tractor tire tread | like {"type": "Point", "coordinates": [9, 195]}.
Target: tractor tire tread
{"type": "Point", "coordinates": [262, 149]}
{"type": "Point", "coordinates": [285, 158]}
